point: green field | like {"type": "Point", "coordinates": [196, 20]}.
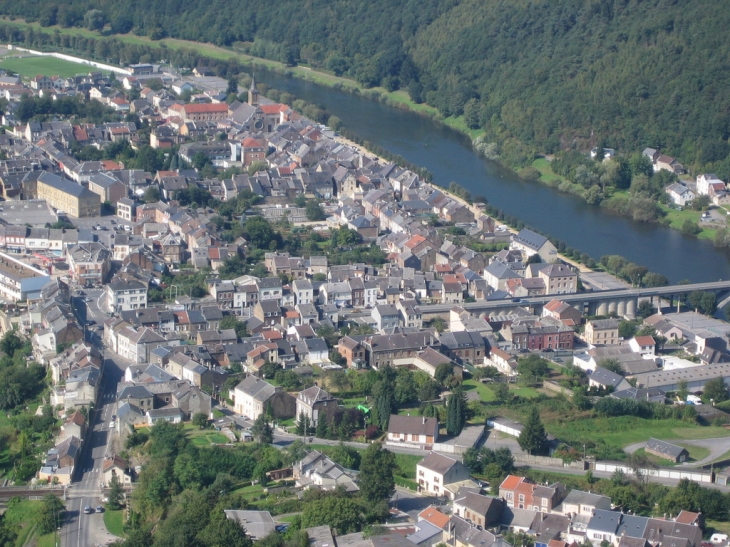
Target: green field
{"type": "Point", "coordinates": [114, 522]}
{"type": "Point", "coordinates": [27, 67]}
{"type": "Point", "coordinates": [625, 430]}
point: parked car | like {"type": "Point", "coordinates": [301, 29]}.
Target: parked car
{"type": "Point", "coordinates": [99, 509]}
{"type": "Point", "coordinates": [88, 510]}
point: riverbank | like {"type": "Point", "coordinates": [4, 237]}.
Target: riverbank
{"type": "Point", "coordinates": [421, 142]}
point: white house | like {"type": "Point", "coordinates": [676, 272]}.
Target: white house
{"type": "Point", "coordinates": [679, 194]}
{"type": "Point", "coordinates": [435, 472]}
{"type": "Point", "coordinates": [126, 295]}
{"type": "Point", "coordinates": [418, 431]}
{"type": "Point", "coordinates": [645, 345]}
{"type": "Point", "coordinates": [704, 182]}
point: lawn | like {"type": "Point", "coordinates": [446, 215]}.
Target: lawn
{"type": "Point", "coordinates": [27, 67]}
{"type": "Point", "coordinates": [407, 464]}
{"type": "Point", "coordinates": [696, 453]}
{"type": "Point", "coordinates": [546, 171]}
{"type": "Point", "coordinates": [526, 392]}
{"type": "Point", "coordinates": [677, 219]}
{"type": "Point", "coordinates": [485, 393]}
{"type": "Point", "coordinates": [23, 514]}
{"type": "Point", "coordinates": [114, 522]}
{"type": "Point", "coordinates": [625, 430]}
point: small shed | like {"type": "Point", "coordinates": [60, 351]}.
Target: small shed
{"type": "Point", "coordinates": [666, 450]}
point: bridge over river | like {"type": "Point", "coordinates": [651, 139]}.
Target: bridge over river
{"type": "Point", "coordinates": [619, 301]}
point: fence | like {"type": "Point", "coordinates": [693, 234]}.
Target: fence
{"type": "Point", "coordinates": [663, 473]}
{"type": "Point", "coordinates": [73, 60]}
{"type": "Point", "coordinates": [547, 461]}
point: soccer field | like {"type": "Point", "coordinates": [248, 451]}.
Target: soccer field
{"type": "Point", "coordinates": [28, 67]}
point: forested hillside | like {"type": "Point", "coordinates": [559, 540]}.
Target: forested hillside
{"type": "Point", "coordinates": [632, 73]}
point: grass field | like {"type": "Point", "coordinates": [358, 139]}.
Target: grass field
{"type": "Point", "coordinates": [625, 430]}
{"type": "Point", "coordinates": [546, 171]}
{"type": "Point", "coordinates": [114, 522]}
{"type": "Point", "coordinates": [27, 67]}
{"type": "Point", "coordinates": [485, 394]}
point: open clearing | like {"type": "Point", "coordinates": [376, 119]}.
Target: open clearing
{"type": "Point", "coordinates": [28, 67]}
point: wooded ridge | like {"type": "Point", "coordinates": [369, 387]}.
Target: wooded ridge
{"type": "Point", "coordinates": [552, 74]}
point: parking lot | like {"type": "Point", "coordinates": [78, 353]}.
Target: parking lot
{"type": "Point", "coordinates": [107, 222]}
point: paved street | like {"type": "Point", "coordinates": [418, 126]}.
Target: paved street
{"type": "Point", "coordinates": [81, 530]}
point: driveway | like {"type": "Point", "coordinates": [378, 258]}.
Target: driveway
{"type": "Point", "coordinates": [717, 447]}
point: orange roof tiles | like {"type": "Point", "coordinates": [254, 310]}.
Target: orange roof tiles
{"type": "Point", "coordinates": [435, 517]}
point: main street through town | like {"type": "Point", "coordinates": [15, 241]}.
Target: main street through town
{"type": "Point", "coordinates": [80, 529]}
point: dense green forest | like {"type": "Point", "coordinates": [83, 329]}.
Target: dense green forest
{"type": "Point", "coordinates": [551, 74]}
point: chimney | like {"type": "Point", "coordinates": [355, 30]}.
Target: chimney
{"type": "Point", "coordinates": [424, 420]}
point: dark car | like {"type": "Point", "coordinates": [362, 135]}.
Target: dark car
{"type": "Point", "coordinates": [547, 350]}
{"type": "Point", "coordinates": [517, 300]}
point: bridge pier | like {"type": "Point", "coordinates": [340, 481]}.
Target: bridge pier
{"type": "Point", "coordinates": [621, 308]}
{"type": "Point", "coordinates": [631, 306]}
{"type": "Point", "coordinates": [612, 307]}
{"type": "Point", "coordinates": [602, 308]}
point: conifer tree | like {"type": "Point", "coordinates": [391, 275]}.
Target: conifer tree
{"type": "Point", "coordinates": [533, 438]}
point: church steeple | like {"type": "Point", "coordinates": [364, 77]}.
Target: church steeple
{"type": "Point", "coordinates": [253, 93]}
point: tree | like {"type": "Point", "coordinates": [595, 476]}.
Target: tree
{"type": "Point", "coordinates": [151, 194]}
{"type": "Point", "coordinates": [533, 438]}
{"type": "Point", "coordinates": [456, 412]}
{"type": "Point", "coordinates": [335, 510]}
{"type": "Point", "coordinates": [314, 211]}
{"type": "Point", "coordinates": [257, 167]}
{"type": "Point", "coordinates": [49, 515]}
{"type": "Point", "coordinates": [533, 367]}
{"type": "Point", "coordinates": [376, 474]}
{"type": "Point", "coordinates": [645, 309]}
{"type": "Point", "coordinates": [10, 343]}
{"type": "Point", "coordinates": [303, 424]}
{"type": "Point", "coordinates": [501, 392]}
{"type": "Point", "coordinates": [715, 390]}
{"type": "Point", "coordinates": [233, 322]}
{"type": "Point", "coordinates": [115, 492]}
{"type": "Point", "coordinates": [94, 19]}
{"type": "Point", "coordinates": [200, 420]}
{"type": "Point", "coordinates": [384, 398]}
{"type": "Point", "coordinates": [261, 430]}
{"type": "Point", "coordinates": [654, 280]}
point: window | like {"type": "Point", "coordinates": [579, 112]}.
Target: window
{"type": "Point", "coordinates": [522, 497]}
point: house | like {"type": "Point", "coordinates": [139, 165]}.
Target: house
{"type": "Point", "coordinates": [253, 395]}
{"type": "Point", "coordinates": [602, 378]}
{"type": "Point", "coordinates": [115, 465]}
{"type": "Point", "coordinates": [522, 493]}
{"type": "Point", "coordinates": [531, 243]}
{"type": "Point", "coordinates": [559, 279]}
{"type": "Point", "coordinates": [463, 346]}
{"type": "Point", "coordinates": [386, 317]}
{"type": "Point", "coordinates": [124, 295]}
{"type": "Point", "coordinates": [481, 510]}
{"type": "Point", "coordinates": [645, 345]}
{"type": "Point", "coordinates": [171, 415]}
{"type": "Point", "coordinates": [88, 262]}
{"type": "Point", "coordinates": [704, 182]}
{"type": "Point", "coordinates": [578, 502]}
{"type": "Point", "coordinates": [316, 470]}
{"type": "Point", "coordinates": [680, 194]}
{"type": "Point", "coordinates": [563, 312]}
{"type": "Point", "coordinates": [316, 403]}
{"type": "Point", "coordinates": [418, 431]}
{"type": "Point", "coordinates": [66, 195]}
{"type": "Point", "coordinates": [603, 526]}
{"type": "Point", "coordinates": [602, 332]}
{"type": "Point", "coordinates": [504, 362]}
{"type": "Point", "coordinates": [666, 451]}
{"type": "Point", "coordinates": [435, 472]}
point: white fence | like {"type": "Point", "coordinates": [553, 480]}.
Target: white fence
{"type": "Point", "coordinates": [664, 473]}
{"type": "Point", "coordinates": [73, 59]}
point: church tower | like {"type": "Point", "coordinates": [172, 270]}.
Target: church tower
{"type": "Point", "coordinates": [253, 93]}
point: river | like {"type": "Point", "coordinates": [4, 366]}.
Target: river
{"type": "Point", "coordinates": [449, 156]}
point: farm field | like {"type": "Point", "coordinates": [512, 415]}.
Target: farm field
{"type": "Point", "coordinates": [28, 67]}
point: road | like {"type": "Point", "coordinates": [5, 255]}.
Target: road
{"type": "Point", "coordinates": [79, 529]}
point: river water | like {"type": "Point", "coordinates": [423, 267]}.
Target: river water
{"type": "Point", "coordinates": [449, 156]}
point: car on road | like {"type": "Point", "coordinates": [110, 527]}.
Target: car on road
{"type": "Point", "coordinates": [81, 293]}
{"type": "Point", "coordinates": [91, 322]}
{"type": "Point", "coordinates": [99, 509]}
{"type": "Point", "coordinates": [87, 299]}
{"type": "Point", "coordinates": [88, 510]}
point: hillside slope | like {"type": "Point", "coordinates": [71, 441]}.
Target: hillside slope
{"type": "Point", "coordinates": [631, 73]}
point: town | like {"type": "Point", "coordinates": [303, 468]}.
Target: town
{"type": "Point", "coordinates": [219, 275]}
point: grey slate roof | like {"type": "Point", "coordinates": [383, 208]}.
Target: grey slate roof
{"type": "Point", "coordinates": [670, 450]}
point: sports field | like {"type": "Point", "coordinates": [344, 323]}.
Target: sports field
{"type": "Point", "coordinates": [30, 66]}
